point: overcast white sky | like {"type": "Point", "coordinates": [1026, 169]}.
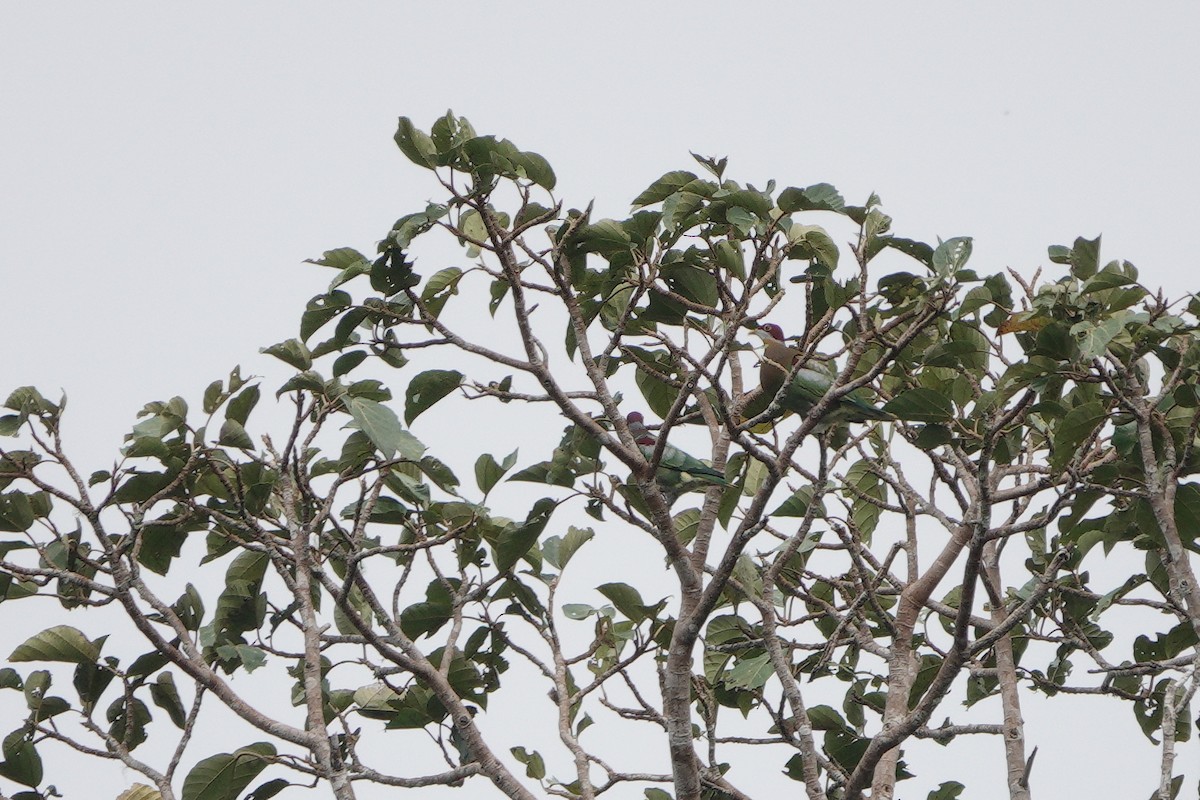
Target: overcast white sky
{"type": "Point", "coordinates": [164, 172]}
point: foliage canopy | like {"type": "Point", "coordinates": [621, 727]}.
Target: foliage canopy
{"type": "Point", "coordinates": [829, 584]}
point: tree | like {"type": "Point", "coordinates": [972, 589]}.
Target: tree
{"type": "Point", "coordinates": [848, 575]}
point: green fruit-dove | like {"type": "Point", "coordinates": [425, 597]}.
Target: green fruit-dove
{"type": "Point", "coordinates": [807, 386]}
{"type": "Point", "coordinates": [677, 471]}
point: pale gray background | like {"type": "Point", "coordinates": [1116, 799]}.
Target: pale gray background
{"type": "Point", "coordinates": [165, 169]}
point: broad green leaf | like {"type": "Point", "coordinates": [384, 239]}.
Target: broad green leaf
{"type": "Point", "coordinates": [605, 237]}
{"type": "Point", "coordinates": [308, 381]}
{"type": "Point", "coordinates": [797, 504]}
{"type": "Point", "coordinates": [537, 169]}
{"type": "Point", "coordinates": [439, 473]}
{"type": "Point", "coordinates": [424, 618]}
{"type": "Point", "coordinates": [140, 791]}
{"type": "Point", "coordinates": [90, 681]}
{"type": "Point", "coordinates": [577, 611]}
{"type": "Point", "coordinates": [160, 545]}
{"type": "Point", "coordinates": [439, 288]}
{"type": "Point", "coordinates": [517, 540]}
{"type": "Point", "coordinates": [1093, 338]}
{"type": "Point", "coordinates": [128, 718]}
{"type": "Point", "coordinates": [559, 550]}
{"type": "Point", "coordinates": [951, 255]}
{"type": "Point", "coordinates": [60, 643]}
{"type": "Point", "coordinates": [428, 388]}
{"type": "Point", "coordinates": [664, 187]}
{"type": "Point", "coordinates": [921, 405]}
{"type": "Point", "coordinates": [1073, 430]}
{"type": "Point", "coordinates": [16, 512]}
{"type": "Point", "coordinates": [234, 435]}
{"type": "Point", "coordinates": [22, 764]}
{"type": "Point", "coordinates": [1084, 257]}
{"type": "Point", "coordinates": [292, 351]}
{"type": "Point", "coordinates": [815, 243]}
{"type": "Point", "coordinates": [382, 427]}
{"type": "Point", "coordinates": [826, 718]}
{"type": "Point", "coordinates": [488, 471]}
{"type": "Point", "coordinates": [224, 776]}
{"type": "Point", "coordinates": [628, 601]}
{"type": "Point", "coordinates": [818, 197]}
{"type": "Point", "coordinates": [950, 790]}
{"type": "Point", "coordinates": [535, 767]}
{"type": "Point", "coordinates": [750, 673]}
{"type": "Point", "coordinates": [415, 144]}
{"type": "Point", "coordinates": [240, 407]}
{"type": "Point", "coordinates": [678, 207]}
{"type": "Point", "coordinates": [248, 656]}
{"type": "Point", "coordinates": [166, 696]}
{"type": "Point", "coordinates": [932, 436]}
{"type": "Point", "coordinates": [268, 789]}
{"type": "Point", "coordinates": [348, 361]}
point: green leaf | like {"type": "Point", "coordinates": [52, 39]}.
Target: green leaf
{"type": "Point", "coordinates": [628, 601]}
{"type": "Point", "coordinates": [950, 790]}
{"type": "Point", "coordinates": [797, 504]}
{"type": "Point", "coordinates": [750, 673]}
{"type": "Point", "coordinates": [932, 436]}
{"type": "Point", "coordinates": [1106, 279]}
{"type": "Point", "coordinates": [537, 169]}
{"type": "Point", "coordinates": [21, 764]}
{"type": "Point", "coordinates": [90, 681]}
{"type": "Point", "coordinates": [1093, 338]}
{"type": "Point", "coordinates": [160, 545]}
{"type": "Point", "coordinates": [1085, 257]}
{"type": "Point", "coordinates": [248, 656]}
{"type": "Point", "coordinates": [293, 352]}
{"type": "Point", "coordinates": [424, 618]}
{"type": "Point", "coordinates": [439, 288]}
{"type": "Point", "coordinates": [818, 197]}
{"type": "Point", "coordinates": [348, 361]}
{"type": "Point", "coordinates": [826, 718]}
{"type": "Point", "coordinates": [268, 789]}
{"type": "Point", "coordinates": [1073, 430]}
{"type": "Point", "coordinates": [166, 696]}
{"type": "Point", "coordinates": [308, 380]}
{"type": "Point", "coordinates": [60, 643]}
{"type": "Point", "coordinates": [439, 473]}
{"type": "Point", "coordinates": [140, 791]}
{"type": "Point", "coordinates": [517, 540]}
{"type": "Point", "coordinates": [16, 512]}
{"type": "Point", "coordinates": [415, 144]}
{"type": "Point", "coordinates": [240, 407]}
{"type": "Point", "coordinates": [382, 427]}
{"type": "Point", "coordinates": [605, 237]}
{"type": "Point", "coordinates": [224, 776]}
{"type": "Point", "coordinates": [577, 611]}
{"type": "Point", "coordinates": [813, 242]}
{"type": "Point", "coordinates": [951, 255]}
{"type": "Point", "coordinates": [488, 472]}
{"type": "Point", "coordinates": [428, 388]}
{"type": "Point", "coordinates": [559, 550]}
{"type": "Point", "coordinates": [664, 187]}
{"type": "Point", "coordinates": [678, 207]}
{"type": "Point", "coordinates": [340, 258]}
{"type": "Point", "coordinates": [535, 767]}
{"type": "Point", "coordinates": [234, 435]}
{"type": "Point", "coordinates": [921, 405]}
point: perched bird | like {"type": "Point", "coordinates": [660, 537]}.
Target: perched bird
{"type": "Point", "coordinates": [807, 385]}
{"type": "Point", "coordinates": [677, 471]}
{"type": "Point", "coordinates": [777, 359]}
